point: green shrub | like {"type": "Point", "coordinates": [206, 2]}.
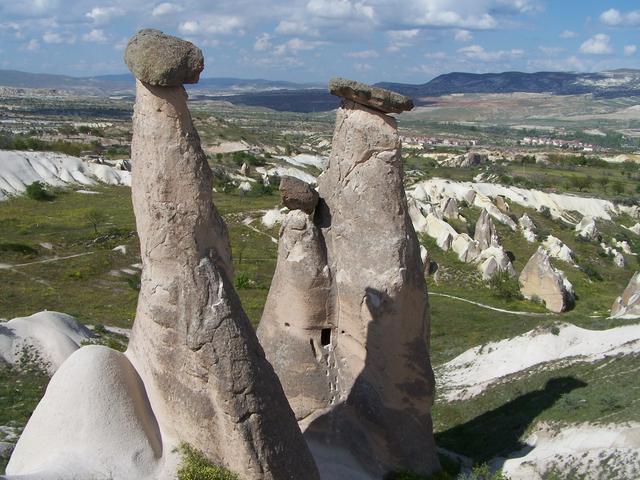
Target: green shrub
{"type": "Point", "coordinates": [243, 281]}
{"type": "Point", "coordinates": [37, 191]}
{"type": "Point", "coordinates": [555, 330]}
{"type": "Point", "coordinates": [482, 472]}
{"type": "Point", "coordinates": [194, 466]}
{"type": "Point", "coordinates": [505, 287]}
{"type": "Point", "coordinates": [18, 248]}
{"type": "Point", "coordinates": [545, 212]}
{"type": "Point", "coordinates": [99, 329]}
{"type": "Point", "coordinates": [590, 271]}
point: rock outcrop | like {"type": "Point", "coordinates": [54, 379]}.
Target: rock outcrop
{"type": "Point", "coordinates": [628, 304]}
{"type": "Point", "coordinates": [485, 233]}
{"type": "Point", "coordinates": [493, 260]}
{"type": "Point", "coordinates": [540, 280]}
{"type": "Point", "coordinates": [587, 228]}
{"type": "Point", "coordinates": [193, 345]}
{"type": "Point", "coordinates": [194, 371]}
{"type": "Point", "coordinates": [558, 249]}
{"type": "Point", "coordinates": [355, 347]}
{"type": "Point", "coordinates": [377, 98]}
{"type": "Point", "coordinates": [95, 421]}
{"type": "Point", "coordinates": [50, 337]}
{"type": "Point", "coordinates": [449, 208]}
{"type": "Point", "coordinates": [528, 228]}
{"type": "Point", "coordinates": [298, 195]}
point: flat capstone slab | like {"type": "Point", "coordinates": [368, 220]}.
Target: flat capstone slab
{"type": "Point", "coordinates": [163, 60]}
{"type": "Point", "coordinates": [378, 98]}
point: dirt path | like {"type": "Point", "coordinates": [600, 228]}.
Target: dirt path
{"type": "Point", "coordinates": [489, 307]}
{"type": "Point", "coordinates": [4, 266]}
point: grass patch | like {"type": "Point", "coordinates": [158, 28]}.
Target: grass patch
{"type": "Point", "coordinates": [195, 466]}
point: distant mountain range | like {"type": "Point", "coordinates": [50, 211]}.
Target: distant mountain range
{"type": "Point", "coordinates": [124, 83]}
{"type": "Point", "coordinates": [303, 97]}
{"type": "Point", "coordinates": [615, 83]}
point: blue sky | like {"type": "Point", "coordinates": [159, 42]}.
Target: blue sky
{"type": "Point", "coordinates": [312, 40]}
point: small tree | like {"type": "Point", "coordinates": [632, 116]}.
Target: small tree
{"type": "Point", "coordinates": [95, 218]}
{"type": "Point", "coordinates": [37, 191]}
{"type": "Point", "coordinates": [604, 183]}
{"type": "Point", "coordinates": [581, 182]}
{"type": "Point", "coordinates": [618, 187]}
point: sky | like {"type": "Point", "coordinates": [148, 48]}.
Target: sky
{"type": "Point", "coordinates": [312, 40]}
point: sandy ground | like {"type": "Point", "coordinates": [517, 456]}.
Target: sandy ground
{"type": "Point", "coordinates": [21, 168]}
{"type": "Point", "coordinates": [470, 373]}
{"type": "Point", "coordinates": [597, 451]}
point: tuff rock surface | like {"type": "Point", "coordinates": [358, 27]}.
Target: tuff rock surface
{"type": "Point", "coordinates": [209, 382]}
{"type": "Point", "coordinates": [485, 234]}
{"type": "Point", "coordinates": [94, 421]}
{"type": "Point", "coordinates": [163, 60]}
{"type": "Point", "coordinates": [628, 304]}
{"type": "Point", "coordinates": [539, 279]}
{"type": "Point", "coordinates": [353, 350]}
{"type": "Point", "coordinates": [377, 98]}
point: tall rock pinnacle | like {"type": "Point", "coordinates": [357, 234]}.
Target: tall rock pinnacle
{"type": "Point", "coordinates": [208, 380]}
{"type": "Point", "coordinates": [352, 352]}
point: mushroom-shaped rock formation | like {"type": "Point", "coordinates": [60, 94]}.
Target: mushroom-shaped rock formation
{"type": "Point", "coordinates": [628, 304]}
{"type": "Point", "coordinates": [297, 194]}
{"type": "Point", "coordinates": [204, 373]}
{"type": "Point", "coordinates": [192, 343]}
{"type": "Point", "coordinates": [355, 346]}
{"type": "Point", "coordinates": [539, 279]}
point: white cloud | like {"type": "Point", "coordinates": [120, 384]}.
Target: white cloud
{"type": "Point", "coordinates": [630, 50]}
{"type": "Point", "coordinates": [52, 38]}
{"type": "Point", "coordinates": [362, 54]}
{"type": "Point", "coordinates": [294, 46]}
{"type": "Point", "coordinates": [599, 44]}
{"type": "Point", "coordinates": [212, 25]}
{"type": "Point", "coordinates": [31, 46]}
{"type": "Point", "coordinates": [477, 52]}
{"type": "Point", "coordinates": [296, 27]}
{"type": "Point", "coordinates": [437, 55]}
{"type": "Point", "coordinates": [463, 36]}
{"type": "Point", "coordinates": [401, 39]}
{"type": "Point", "coordinates": [95, 36]}
{"type": "Point", "coordinates": [121, 44]}
{"type": "Point", "coordinates": [103, 15]}
{"type": "Point", "coordinates": [56, 38]}
{"type": "Point", "coordinates": [615, 18]}
{"type": "Point", "coordinates": [550, 51]}
{"type": "Point", "coordinates": [166, 8]}
{"type": "Point", "coordinates": [362, 67]}
{"type": "Point", "coordinates": [262, 43]}
{"type": "Point", "coordinates": [340, 9]}
{"type": "Point", "coordinates": [568, 34]}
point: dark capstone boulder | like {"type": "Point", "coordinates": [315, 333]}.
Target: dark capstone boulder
{"type": "Point", "coordinates": [384, 100]}
{"type": "Point", "coordinates": [162, 60]}
{"type": "Point", "coordinates": [298, 195]}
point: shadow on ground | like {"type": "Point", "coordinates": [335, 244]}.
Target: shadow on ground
{"type": "Point", "coordinates": [497, 432]}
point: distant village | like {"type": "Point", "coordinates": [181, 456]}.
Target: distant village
{"type": "Point", "coordinates": [558, 143]}
{"type": "Point", "coordinates": [424, 142]}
